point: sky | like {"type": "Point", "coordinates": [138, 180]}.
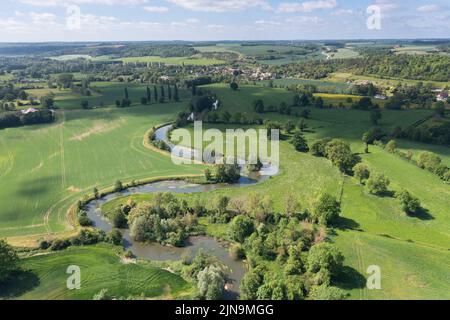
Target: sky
{"type": "Point", "coordinates": [202, 20]}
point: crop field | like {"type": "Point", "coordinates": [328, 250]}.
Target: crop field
{"type": "Point", "coordinates": [412, 251]}
{"type": "Point", "coordinates": [44, 277]}
{"type": "Point", "coordinates": [46, 168]}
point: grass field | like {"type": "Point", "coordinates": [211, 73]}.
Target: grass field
{"type": "Point", "coordinates": [391, 82]}
{"type": "Point", "coordinates": [344, 53]}
{"type": "Point", "coordinates": [103, 94]}
{"type": "Point", "coordinates": [241, 100]}
{"type": "Point", "coordinates": [45, 168]}
{"type": "Point", "coordinates": [194, 60]}
{"type": "Point", "coordinates": [323, 86]}
{"type": "Point", "coordinates": [44, 277]}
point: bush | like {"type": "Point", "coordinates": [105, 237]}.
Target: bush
{"type": "Point", "coordinates": [361, 172]}
{"type": "Point", "coordinates": [324, 292]}
{"type": "Point", "coordinates": [409, 203]}
{"type": "Point", "coordinates": [377, 184]}
{"type": "Point", "coordinates": [118, 219]}
{"type": "Point", "coordinates": [326, 209]}
{"type": "Point", "coordinates": [102, 295]}
{"type": "Point", "coordinates": [391, 146]}
{"type": "Point", "coordinates": [211, 283]}
{"type": "Point", "coordinates": [59, 244]}
{"type": "Point", "coordinates": [299, 142]}
{"type": "Point", "coordinates": [340, 154]}
{"type": "Point", "coordinates": [236, 252]}
{"type": "Point", "coordinates": [83, 219]}
{"type": "Point", "coordinates": [324, 256]}
{"type": "Point", "coordinates": [318, 148]}
{"type": "Point", "coordinates": [115, 237]}
{"type": "Point", "coordinates": [8, 260]}
{"type": "Point", "coordinates": [240, 228]}
{"type": "Point", "coordinates": [250, 284]}
{"type": "Point", "coordinates": [428, 161]}
{"type": "Point", "coordinates": [227, 173]}
{"type": "Point", "coordinates": [118, 186]}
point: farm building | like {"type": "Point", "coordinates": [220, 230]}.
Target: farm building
{"type": "Point", "coordinates": [443, 96]}
{"type": "Point", "coordinates": [29, 110]}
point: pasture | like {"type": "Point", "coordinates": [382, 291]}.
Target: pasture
{"type": "Point", "coordinates": [44, 277]}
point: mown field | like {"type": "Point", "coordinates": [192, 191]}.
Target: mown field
{"type": "Point", "coordinates": [44, 277]}
{"type": "Point", "coordinates": [412, 251]}
{"type": "Point", "coordinates": [46, 168]}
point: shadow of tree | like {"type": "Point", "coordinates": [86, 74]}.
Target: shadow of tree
{"type": "Point", "coordinates": [349, 278]}
{"type": "Point", "coordinates": [346, 224]}
{"type": "Point", "coordinates": [422, 214]}
{"type": "Point", "coordinates": [19, 283]}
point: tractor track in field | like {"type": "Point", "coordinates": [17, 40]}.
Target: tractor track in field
{"type": "Point", "coordinates": [62, 151]}
{"type": "Point", "coordinates": [361, 265]}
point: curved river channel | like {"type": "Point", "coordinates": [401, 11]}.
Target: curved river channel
{"type": "Point", "coordinates": [157, 252]}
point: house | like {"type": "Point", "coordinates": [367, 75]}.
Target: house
{"type": "Point", "coordinates": [216, 105]}
{"type": "Point", "coordinates": [380, 97]}
{"type": "Point", "coordinates": [443, 96]}
{"type": "Point", "coordinates": [29, 110]}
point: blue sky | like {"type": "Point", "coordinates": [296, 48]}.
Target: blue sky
{"type": "Point", "coordinates": [115, 20]}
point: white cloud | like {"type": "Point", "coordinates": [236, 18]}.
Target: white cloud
{"type": "Point", "coordinates": [156, 9]}
{"type": "Point", "coordinates": [267, 23]}
{"type": "Point", "coordinates": [429, 8]}
{"type": "Point", "coordinates": [193, 21]}
{"type": "Point", "coordinates": [308, 6]}
{"type": "Point", "coordinates": [343, 12]}
{"type": "Point", "coordinates": [54, 3]}
{"type": "Point", "coordinates": [42, 18]}
{"type": "Point", "coordinates": [387, 5]}
{"type": "Point", "coordinates": [220, 5]}
{"type": "Point", "coordinates": [11, 24]}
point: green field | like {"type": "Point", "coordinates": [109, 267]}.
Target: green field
{"type": "Point", "coordinates": [103, 94]}
{"type": "Point", "coordinates": [45, 168]}
{"type": "Point", "coordinates": [322, 86]}
{"type": "Point", "coordinates": [194, 60]}
{"type": "Point", "coordinates": [44, 277]}
{"type": "Point", "coordinates": [391, 82]}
